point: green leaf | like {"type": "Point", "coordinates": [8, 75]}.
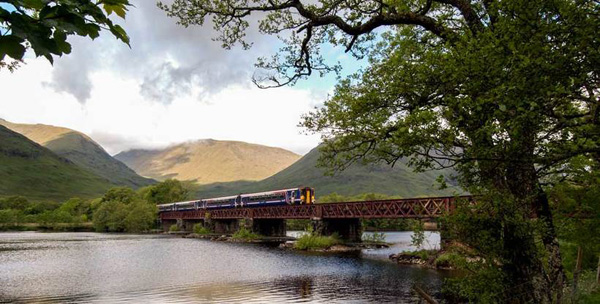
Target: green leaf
{"type": "Point", "coordinates": [120, 33]}
{"type": "Point", "coordinates": [11, 46]}
{"type": "Point", "coordinates": [118, 9]}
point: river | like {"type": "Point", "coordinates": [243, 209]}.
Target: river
{"type": "Point", "coordinates": [119, 268]}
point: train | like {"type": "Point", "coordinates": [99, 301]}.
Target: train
{"type": "Point", "coordinates": [292, 196]}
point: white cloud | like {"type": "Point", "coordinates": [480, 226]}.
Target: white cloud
{"type": "Point", "coordinates": [119, 117]}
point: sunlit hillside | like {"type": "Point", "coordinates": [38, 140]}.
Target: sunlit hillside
{"type": "Point", "coordinates": [399, 180]}
{"type": "Point", "coordinates": [81, 150]}
{"type": "Point", "coordinates": [31, 170]}
{"type": "Point", "coordinates": [209, 161]}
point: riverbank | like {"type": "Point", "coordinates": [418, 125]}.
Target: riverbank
{"type": "Point", "coordinates": [287, 242]}
{"type": "Point", "coordinates": [48, 227]}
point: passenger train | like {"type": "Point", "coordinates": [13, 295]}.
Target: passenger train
{"type": "Point", "coordinates": [293, 196]}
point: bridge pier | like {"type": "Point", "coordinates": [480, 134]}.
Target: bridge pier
{"type": "Point", "coordinates": [166, 224]}
{"type": "Point", "coordinates": [225, 226]}
{"type": "Point", "coordinates": [267, 227]}
{"type": "Point", "coordinates": [188, 225]}
{"type": "Point", "coordinates": [348, 229]}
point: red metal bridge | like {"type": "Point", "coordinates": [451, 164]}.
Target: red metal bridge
{"type": "Point", "coordinates": [427, 207]}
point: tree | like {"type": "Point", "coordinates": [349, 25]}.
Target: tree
{"type": "Point", "coordinates": [120, 194]}
{"type": "Point", "coordinates": [168, 191]}
{"type": "Point", "coordinates": [506, 92]}
{"type": "Point", "coordinates": [141, 217]}
{"type": "Point", "coordinates": [44, 25]}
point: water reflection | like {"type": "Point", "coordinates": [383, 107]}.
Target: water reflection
{"type": "Point", "coordinates": [90, 267]}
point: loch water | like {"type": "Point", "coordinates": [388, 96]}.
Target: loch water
{"type": "Point", "coordinates": [120, 268]}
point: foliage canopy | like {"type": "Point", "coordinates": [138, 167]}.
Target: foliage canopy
{"type": "Point", "coordinates": [505, 92]}
{"type": "Point", "coordinates": [44, 25]}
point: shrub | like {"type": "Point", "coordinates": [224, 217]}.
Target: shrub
{"type": "Point", "coordinates": [200, 229]}
{"type": "Point", "coordinates": [450, 259]}
{"type": "Point", "coordinates": [311, 242]}
{"type": "Point", "coordinates": [375, 237]}
{"type": "Point", "coordinates": [173, 228]}
{"type": "Point", "coordinates": [245, 234]}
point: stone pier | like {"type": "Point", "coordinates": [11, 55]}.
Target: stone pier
{"type": "Point", "coordinates": [348, 229]}
{"type": "Point", "coordinates": [166, 224]}
{"type": "Point", "coordinates": [188, 225]}
{"type": "Point", "coordinates": [224, 226]}
{"type": "Point", "coordinates": [266, 227]}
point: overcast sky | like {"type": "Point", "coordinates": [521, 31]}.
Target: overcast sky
{"type": "Point", "coordinates": [173, 85]}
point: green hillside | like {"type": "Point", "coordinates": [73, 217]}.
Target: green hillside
{"type": "Point", "coordinates": [400, 180]}
{"type": "Point", "coordinates": [81, 150]}
{"type": "Point", "coordinates": [30, 170]}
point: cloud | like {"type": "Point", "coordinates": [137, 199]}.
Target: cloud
{"type": "Point", "coordinates": [173, 85]}
{"type": "Point", "coordinates": [119, 118]}
{"type": "Point", "coordinates": [168, 57]}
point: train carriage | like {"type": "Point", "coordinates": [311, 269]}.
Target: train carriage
{"type": "Point", "coordinates": [221, 202]}
{"type": "Point", "coordinates": [292, 196]}
{"type": "Point", "coordinates": [185, 206]}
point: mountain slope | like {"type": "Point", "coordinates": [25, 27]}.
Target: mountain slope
{"type": "Point", "coordinates": [209, 161]}
{"type": "Point", "coordinates": [31, 170]}
{"type": "Point", "coordinates": [357, 179]}
{"type": "Point", "coordinates": [81, 150]}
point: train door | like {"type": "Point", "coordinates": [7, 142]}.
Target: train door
{"type": "Point", "coordinates": [308, 195]}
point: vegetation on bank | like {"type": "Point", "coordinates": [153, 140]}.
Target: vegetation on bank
{"type": "Point", "coordinates": [244, 234]}
{"type": "Point", "coordinates": [201, 230]}
{"type": "Point", "coordinates": [118, 210]}
{"type": "Point", "coordinates": [310, 241]}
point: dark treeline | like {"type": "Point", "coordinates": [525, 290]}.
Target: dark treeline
{"type": "Point", "coordinates": [120, 209]}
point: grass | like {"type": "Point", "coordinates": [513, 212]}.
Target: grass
{"type": "Point", "coordinates": [245, 235]}
{"type": "Point", "coordinates": [375, 237]}
{"type": "Point", "coordinates": [82, 151]}
{"type": "Point", "coordinates": [33, 171]}
{"type": "Point", "coordinates": [312, 242]}
{"type": "Point", "coordinates": [399, 180]}
{"type": "Point", "coordinates": [200, 229]}
{"type": "Point", "coordinates": [450, 259]}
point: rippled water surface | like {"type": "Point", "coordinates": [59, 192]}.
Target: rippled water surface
{"type": "Point", "coordinates": [93, 267]}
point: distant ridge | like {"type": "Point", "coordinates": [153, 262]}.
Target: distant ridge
{"type": "Point", "coordinates": [82, 151]}
{"type": "Point", "coordinates": [380, 178]}
{"type": "Point", "coordinates": [209, 161]}
{"type": "Point", "coordinates": [30, 170]}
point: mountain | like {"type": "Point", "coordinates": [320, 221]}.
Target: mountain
{"type": "Point", "coordinates": [82, 151]}
{"type": "Point", "coordinates": [209, 161]}
{"type": "Point", "coordinates": [30, 170]}
{"type": "Point", "coordinates": [379, 178]}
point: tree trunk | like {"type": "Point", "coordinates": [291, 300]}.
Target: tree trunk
{"type": "Point", "coordinates": [556, 274]}
{"type": "Point", "coordinates": [598, 273]}
{"type": "Point", "coordinates": [576, 273]}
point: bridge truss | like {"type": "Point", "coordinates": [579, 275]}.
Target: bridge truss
{"type": "Point", "coordinates": [428, 207]}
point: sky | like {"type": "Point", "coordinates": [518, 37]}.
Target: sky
{"type": "Point", "coordinates": [173, 85]}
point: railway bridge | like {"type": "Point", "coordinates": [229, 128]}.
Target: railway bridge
{"type": "Point", "coordinates": [342, 218]}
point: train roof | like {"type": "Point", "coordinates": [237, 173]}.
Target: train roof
{"type": "Point", "coordinates": [269, 192]}
{"type": "Point", "coordinates": [176, 203]}
{"type": "Point", "coordinates": [235, 196]}
{"type": "Point", "coordinates": [221, 198]}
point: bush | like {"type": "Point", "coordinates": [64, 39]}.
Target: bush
{"type": "Point", "coordinates": [200, 229]}
{"type": "Point", "coordinates": [173, 228]}
{"type": "Point", "coordinates": [311, 242]}
{"type": "Point", "coordinates": [245, 234]}
{"type": "Point", "coordinates": [450, 259]}
{"type": "Point", "coordinates": [375, 237]}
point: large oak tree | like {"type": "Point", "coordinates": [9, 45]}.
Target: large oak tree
{"type": "Point", "coordinates": [504, 91]}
